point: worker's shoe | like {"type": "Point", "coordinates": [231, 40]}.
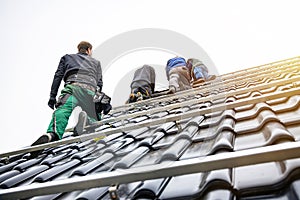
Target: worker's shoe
{"type": "Point", "coordinates": [172, 90]}
{"type": "Point", "coordinates": [82, 122]}
{"type": "Point", "coordinates": [138, 94]}
{"type": "Point", "coordinates": [211, 77]}
{"type": "Point", "coordinates": [198, 82]}
{"type": "Point", "coordinates": [48, 137]}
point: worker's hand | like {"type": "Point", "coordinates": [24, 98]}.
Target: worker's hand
{"type": "Point", "coordinates": [52, 102]}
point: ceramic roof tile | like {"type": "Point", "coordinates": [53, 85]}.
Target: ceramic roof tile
{"type": "Point", "coordinates": [244, 107]}
{"type": "Point", "coordinates": [243, 95]}
{"type": "Point", "coordinates": [139, 119]}
{"type": "Point", "coordinates": [295, 192]}
{"type": "Point", "coordinates": [85, 144]}
{"type": "Point", "coordinates": [58, 158]}
{"type": "Point", "coordinates": [222, 140]}
{"type": "Point", "coordinates": [211, 119]}
{"type": "Point", "coordinates": [194, 121]}
{"type": "Point", "coordinates": [150, 189]}
{"type": "Point", "coordinates": [193, 186]}
{"type": "Point", "coordinates": [125, 191]}
{"type": "Point", "coordinates": [220, 100]}
{"type": "Point", "coordinates": [95, 193]}
{"type": "Point", "coordinates": [128, 148]}
{"type": "Point", "coordinates": [56, 170]}
{"type": "Point", "coordinates": [217, 179]}
{"type": "Point", "coordinates": [259, 176]}
{"type": "Point", "coordinates": [230, 99]}
{"type": "Point", "coordinates": [223, 194]}
{"type": "Point", "coordinates": [14, 181]}
{"type": "Point", "coordinates": [105, 167]}
{"type": "Point", "coordinates": [47, 197]}
{"type": "Point", "coordinates": [19, 158]}
{"type": "Point", "coordinates": [191, 129]}
{"type": "Point", "coordinates": [93, 164]}
{"type": "Point", "coordinates": [27, 164]}
{"type": "Point", "coordinates": [135, 133]}
{"type": "Point", "coordinates": [152, 157]}
{"type": "Point", "coordinates": [269, 134]}
{"type": "Point", "coordinates": [184, 187]}
{"type": "Point", "coordinates": [8, 175]}
{"type": "Point", "coordinates": [292, 117]}
{"type": "Point", "coordinates": [10, 166]}
{"type": "Point", "coordinates": [164, 142]}
{"type": "Point", "coordinates": [159, 114]}
{"type": "Point", "coordinates": [61, 148]}
{"type": "Point", "coordinates": [131, 158]}
{"type": "Point", "coordinates": [294, 129]}
{"type": "Point", "coordinates": [166, 127]}
{"type": "Point", "coordinates": [177, 148]}
{"type": "Point", "coordinates": [117, 124]}
{"type": "Point", "coordinates": [83, 153]}
{"type": "Point", "coordinates": [179, 110]}
{"type": "Point", "coordinates": [117, 145]}
{"type": "Point", "coordinates": [110, 138]}
{"type": "Point", "coordinates": [253, 112]}
{"type": "Point", "coordinates": [277, 101]}
{"type": "Point", "coordinates": [291, 104]}
{"type": "Point", "coordinates": [212, 126]}
{"type": "Point", "coordinates": [256, 123]}
{"type": "Point", "coordinates": [150, 141]}
{"type": "Point", "coordinates": [268, 90]}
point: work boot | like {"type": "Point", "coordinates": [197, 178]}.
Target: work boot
{"type": "Point", "coordinates": [211, 77]}
{"type": "Point", "coordinates": [197, 82]}
{"type": "Point", "coordinates": [82, 122]}
{"type": "Point", "coordinates": [138, 94]}
{"type": "Point", "coordinates": [172, 90]}
{"type": "Point", "coordinates": [132, 98]}
{"type": "Point", "coordinates": [45, 138]}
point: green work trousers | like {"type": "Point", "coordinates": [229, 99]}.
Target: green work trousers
{"type": "Point", "coordinates": [71, 96]}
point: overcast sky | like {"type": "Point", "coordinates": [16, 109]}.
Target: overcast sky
{"type": "Point", "coordinates": [35, 34]}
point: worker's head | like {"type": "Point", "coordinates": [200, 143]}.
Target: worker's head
{"type": "Point", "coordinates": [85, 47]}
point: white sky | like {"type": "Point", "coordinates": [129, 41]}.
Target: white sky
{"type": "Point", "coordinates": [35, 34]}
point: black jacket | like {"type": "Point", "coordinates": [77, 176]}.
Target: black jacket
{"type": "Point", "coordinates": [78, 67]}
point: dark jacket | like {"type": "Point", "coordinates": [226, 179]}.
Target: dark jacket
{"type": "Point", "coordinates": [78, 67]}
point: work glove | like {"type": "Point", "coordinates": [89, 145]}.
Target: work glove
{"type": "Point", "coordinates": [52, 102]}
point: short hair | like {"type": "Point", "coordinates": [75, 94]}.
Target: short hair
{"type": "Point", "coordinates": [83, 46]}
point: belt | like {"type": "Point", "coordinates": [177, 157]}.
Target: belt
{"type": "Point", "coordinates": [84, 85]}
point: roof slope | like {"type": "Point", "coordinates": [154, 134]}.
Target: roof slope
{"type": "Point", "coordinates": [236, 137]}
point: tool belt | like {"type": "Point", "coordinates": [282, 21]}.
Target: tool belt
{"type": "Point", "coordinates": [82, 80]}
{"type": "Point", "coordinates": [83, 85]}
{"type": "Point", "coordinates": [102, 103]}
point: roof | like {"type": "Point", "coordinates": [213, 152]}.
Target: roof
{"type": "Point", "coordinates": [236, 137]}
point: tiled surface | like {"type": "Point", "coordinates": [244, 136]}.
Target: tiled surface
{"type": "Point", "coordinates": [246, 126]}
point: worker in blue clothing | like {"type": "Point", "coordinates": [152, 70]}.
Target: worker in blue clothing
{"type": "Point", "coordinates": [178, 75]}
{"type": "Point", "coordinates": [198, 71]}
{"type": "Point", "coordinates": [82, 75]}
